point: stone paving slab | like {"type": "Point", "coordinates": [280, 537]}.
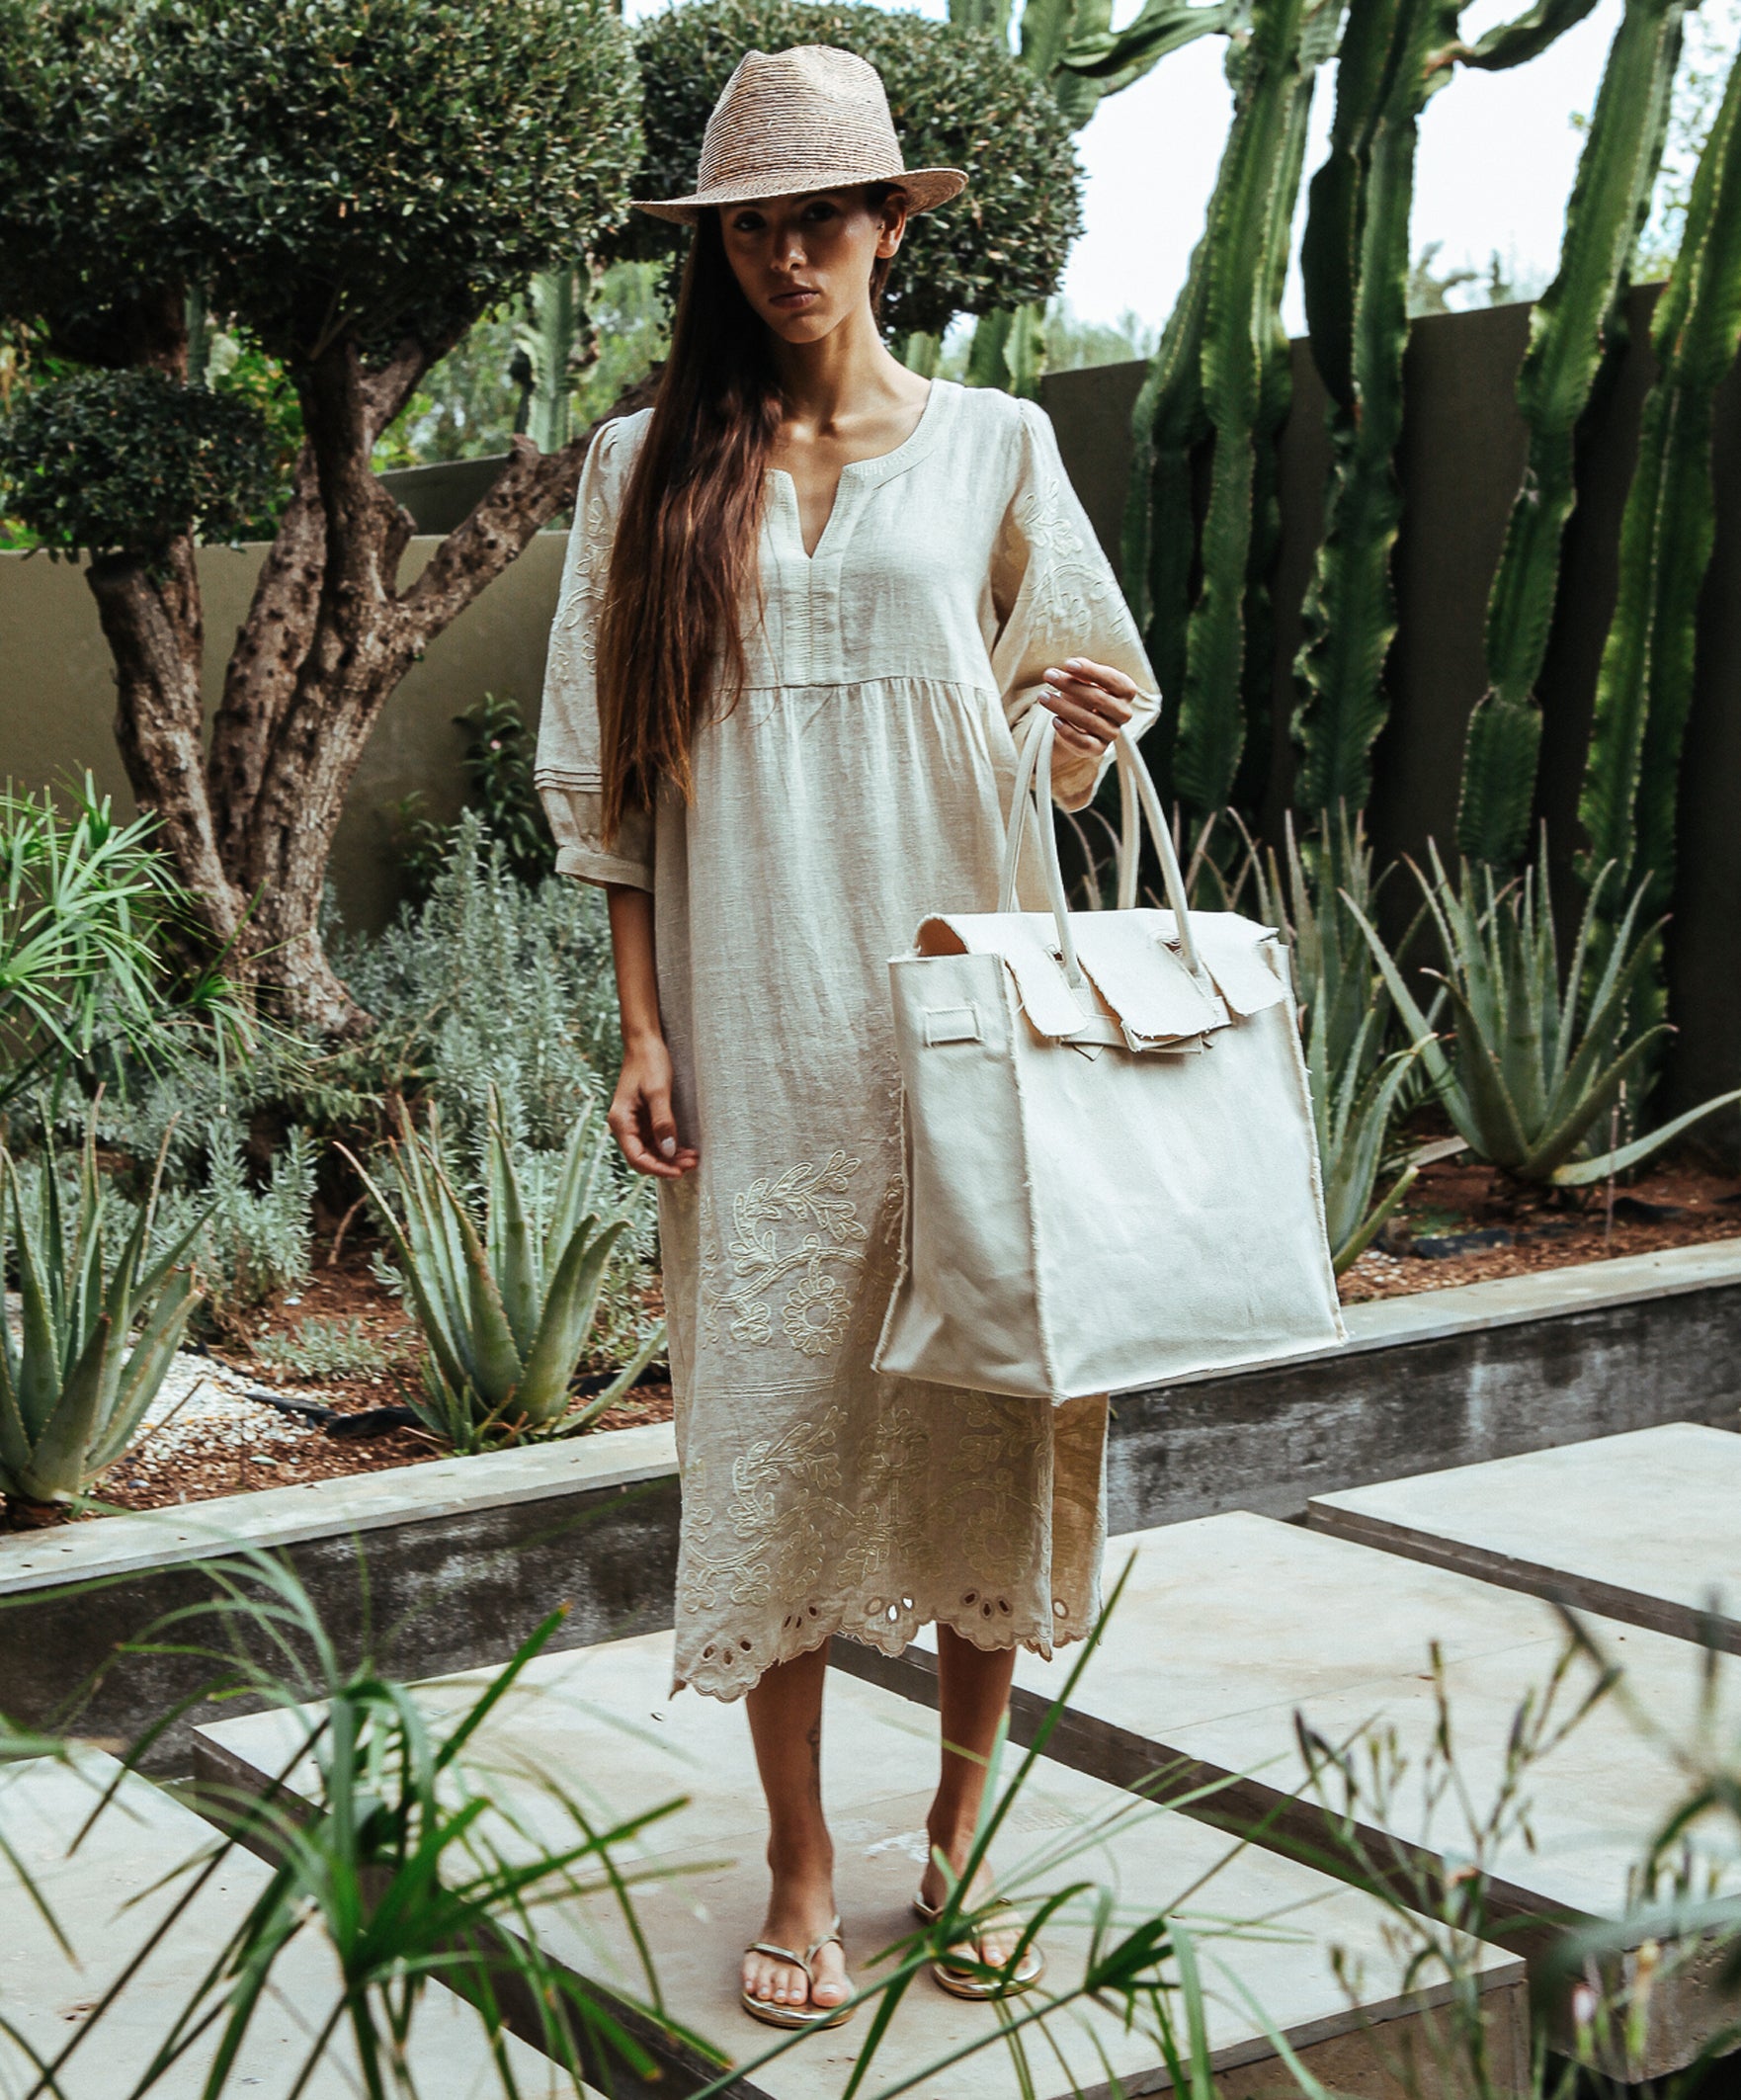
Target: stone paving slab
{"type": "Point", "coordinates": [603, 1720]}
{"type": "Point", "coordinates": [1230, 1626]}
{"type": "Point", "coordinates": [144, 1835]}
{"type": "Point", "coordinates": [1641, 1527]}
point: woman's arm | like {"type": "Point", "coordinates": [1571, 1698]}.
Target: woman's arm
{"type": "Point", "coordinates": [640, 1117]}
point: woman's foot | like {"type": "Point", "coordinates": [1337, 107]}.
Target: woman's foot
{"type": "Point", "coordinates": [800, 1911]}
{"type": "Point", "coordinates": [955, 1842]}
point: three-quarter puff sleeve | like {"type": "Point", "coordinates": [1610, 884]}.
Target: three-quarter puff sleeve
{"type": "Point", "coordinates": [565, 769]}
{"type": "Point", "coordinates": [1056, 597]}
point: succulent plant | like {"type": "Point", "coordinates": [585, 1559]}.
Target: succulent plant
{"type": "Point", "coordinates": [77, 1382]}
{"type": "Point", "coordinates": [506, 1308]}
{"type": "Point", "coordinates": [1529, 1075]}
{"type": "Point", "coordinates": [1576, 332]}
{"type": "Point", "coordinates": [1645, 685]}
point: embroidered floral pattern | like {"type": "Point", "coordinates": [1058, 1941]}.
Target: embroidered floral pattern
{"type": "Point", "coordinates": [815, 1305]}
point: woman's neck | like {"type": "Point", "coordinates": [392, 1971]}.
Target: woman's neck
{"type": "Point", "coordinates": [845, 376]}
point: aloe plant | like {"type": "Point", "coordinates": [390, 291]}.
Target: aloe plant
{"type": "Point", "coordinates": [1531, 1074]}
{"type": "Point", "coordinates": [505, 1309]}
{"type": "Point", "coordinates": [1645, 685]}
{"type": "Point", "coordinates": [1396, 55]}
{"type": "Point", "coordinates": [1576, 330]}
{"type": "Point", "coordinates": [77, 1382]}
{"type": "Point", "coordinates": [1318, 896]}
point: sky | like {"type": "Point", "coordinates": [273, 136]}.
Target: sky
{"type": "Point", "coordinates": [1497, 156]}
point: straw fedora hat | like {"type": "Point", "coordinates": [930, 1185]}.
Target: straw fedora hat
{"type": "Point", "coordinates": [813, 117]}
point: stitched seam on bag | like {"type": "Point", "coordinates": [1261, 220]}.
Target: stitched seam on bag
{"type": "Point", "coordinates": [1018, 1020]}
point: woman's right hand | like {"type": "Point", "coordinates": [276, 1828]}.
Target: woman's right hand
{"type": "Point", "coordinates": [640, 1117]}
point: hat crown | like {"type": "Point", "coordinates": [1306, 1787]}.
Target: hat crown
{"type": "Point", "coordinates": [810, 108]}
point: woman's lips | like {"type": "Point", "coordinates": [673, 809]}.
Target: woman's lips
{"type": "Point", "coordinates": [799, 297]}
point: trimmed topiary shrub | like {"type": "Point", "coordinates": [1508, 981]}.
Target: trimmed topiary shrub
{"type": "Point", "coordinates": [107, 461]}
{"type": "Point", "coordinates": [958, 98]}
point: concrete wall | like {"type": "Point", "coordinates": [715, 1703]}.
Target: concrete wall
{"type": "Point", "coordinates": [58, 692]}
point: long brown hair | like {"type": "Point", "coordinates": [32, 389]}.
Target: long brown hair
{"type": "Point", "coordinates": [684, 558]}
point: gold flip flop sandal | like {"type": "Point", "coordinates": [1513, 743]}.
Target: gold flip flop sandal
{"type": "Point", "coordinates": [979, 1979]}
{"type": "Point", "coordinates": [789, 2016]}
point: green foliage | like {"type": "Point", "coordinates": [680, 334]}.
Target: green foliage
{"type": "Point", "coordinates": [75, 1384]}
{"type": "Point", "coordinates": [1220, 381]}
{"type": "Point", "coordinates": [1667, 531]}
{"type": "Point", "coordinates": [258, 1242]}
{"type": "Point", "coordinates": [489, 983]}
{"type": "Point", "coordinates": [122, 461]}
{"type": "Point", "coordinates": [506, 1303]}
{"type": "Point", "coordinates": [1317, 897]}
{"type": "Point", "coordinates": [318, 1348]}
{"type": "Point", "coordinates": [958, 98]}
{"type": "Point", "coordinates": [1531, 1075]}
{"type": "Point", "coordinates": [85, 909]}
{"type": "Point", "coordinates": [498, 760]}
{"type": "Point", "coordinates": [318, 171]}
{"type": "Point", "coordinates": [1575, 331]}
{"type": "Point", "coordinates": [1355, 258]}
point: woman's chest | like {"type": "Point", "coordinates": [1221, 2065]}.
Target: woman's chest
{"type": "Point", "coordinates": [898, 580]}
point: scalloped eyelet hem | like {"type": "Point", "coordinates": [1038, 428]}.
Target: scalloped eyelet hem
{"type": "Point", "coordinates": [726, 1667]}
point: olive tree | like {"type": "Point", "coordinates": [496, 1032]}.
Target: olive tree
{"type": "Point", "coordinates": [958, 98]}
{"type": "Point", "coordinates": [352, 187]}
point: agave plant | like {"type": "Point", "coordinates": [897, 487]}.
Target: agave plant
{"type": "Point", "coordinates": [73, 1392]}
{"type": "Point", "coordinates": [506, 1308]}
{"type": "Point", "coordinates": [1345, 1013]}
{"type": "Point", "coordinates": [1531, 1075]}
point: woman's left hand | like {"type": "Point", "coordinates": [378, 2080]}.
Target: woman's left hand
{"type": "Point", "coordinates": [1091, 701]}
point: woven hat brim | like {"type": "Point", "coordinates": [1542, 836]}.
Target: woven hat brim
{"type": "Point", "coordinates": [924, 188]}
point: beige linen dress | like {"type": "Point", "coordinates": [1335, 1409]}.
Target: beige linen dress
{"type": "Point", "coordinates": [861, 782]}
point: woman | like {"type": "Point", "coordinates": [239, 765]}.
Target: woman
{"type": "Point", "coordinates": [808, 597]}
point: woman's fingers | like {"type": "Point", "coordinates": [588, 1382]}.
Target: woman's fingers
{"type": "Point", "coordinates": [646, 1130]}
{"type": "Point", "coordinates": [1092, 701]}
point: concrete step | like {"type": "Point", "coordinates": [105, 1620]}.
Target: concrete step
{"type": "Point", "coordinates": [1640, 1527]}
{"type": "Point", "coordinates": [107, 1901]}
{"type": "Point", "coordinates": [602, 1721]}
{"type": "Point", "coordinates": [1231, 1627]}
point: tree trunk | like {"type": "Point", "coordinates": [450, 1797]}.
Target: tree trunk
{"type": "Point", "coordinates": [152, 623]}
{"type": "Point", "coordinates": [249, 824]}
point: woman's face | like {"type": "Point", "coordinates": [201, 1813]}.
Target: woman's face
{"type": "Point", "coordinates": [804, 262]}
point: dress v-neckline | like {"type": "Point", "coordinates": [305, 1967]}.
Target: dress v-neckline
{"type": "Point", "coordinates": [882, 462]}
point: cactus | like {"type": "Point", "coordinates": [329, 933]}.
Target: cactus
{"type": "Point", "coordinates": [1645, 684]}
{"type": "Point", "coordinates": [1575, 332]}
{"type": "Point", "coordinates": [1222, 371]}
{"type": "Point", "coordinates": [1073, 46]}
{"type": "Point", "coordinates": [557, 338]}
{"type": "Point", "coordinates": [1396, 55]}
{"type": "Point", "coordinates": [1245, 389]}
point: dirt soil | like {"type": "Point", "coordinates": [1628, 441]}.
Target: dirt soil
{"type": "Point", "coordinates": [1461, 1224]}
{"type": "Point", "coordinates": [201, 1462]}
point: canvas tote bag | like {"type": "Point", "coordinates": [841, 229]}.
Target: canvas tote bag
{"type": "Point", "coordinates": [1110, 1173]}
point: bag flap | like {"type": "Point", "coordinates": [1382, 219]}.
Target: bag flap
{"type": "Point", "coordinates": [1243, 956]}
{"type": "Point", "coordinates": [1141, 979]}
{"type": "Point", "coordinates": [1023, 941]}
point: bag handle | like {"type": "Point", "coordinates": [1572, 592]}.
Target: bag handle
{"type": "Point", "coordinates": [1136, 790]}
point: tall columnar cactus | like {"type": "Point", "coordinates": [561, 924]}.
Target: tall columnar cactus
{"type": "Point", "coordinates": [1645, 684]}
{"type": "Point", "coordinates": [1220, 372]}
{"type": "Point", "coordinates": [1245, 383]}
{"type": "Point", "coordinates": [1575, 332]}
{"type": "Point", "coordinates": [1070, 45]}
{"type": "Point", "coordinates": [1396, 55]}
{"type": "Point", "coordinates": [553, 334]}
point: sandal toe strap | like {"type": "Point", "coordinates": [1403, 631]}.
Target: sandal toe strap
{"type": "Point", "coordinates": [785, 1953]}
